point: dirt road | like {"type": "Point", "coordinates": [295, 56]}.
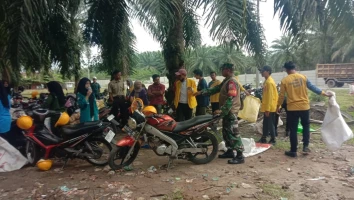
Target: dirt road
{"type": "Point", "coordinates": [270, 175]}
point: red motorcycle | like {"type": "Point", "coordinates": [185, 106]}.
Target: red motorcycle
{"type": "Point", "coordinates": [188, 140]}
{"type": "Point", "coordinates": [85, 140]}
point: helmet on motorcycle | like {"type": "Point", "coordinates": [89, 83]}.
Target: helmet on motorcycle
{"type": "Point", "coordinates": [34, 94]}
{"type": "Point", "coordinates": [24, 122]}
{"type": "Point", "coordinates": [149, 110]}
{"type": "Point", "coordinates": [44, 165]}
{"type": "Point", "coordinates": [63, 119]}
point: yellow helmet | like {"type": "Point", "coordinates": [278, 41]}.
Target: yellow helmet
{"type": "Point", "coordinates": [34, 94]}
{"type": "Point", "coordinates": [148, 110]}
{"type": "Point", "coordinates": [63, 119]}
{"type": "Point", "coordinates": [24, 122]}
{"type": "Point", "coordinates": [44, 165]}
{"type": "Point", "coordinates": [136, 104]}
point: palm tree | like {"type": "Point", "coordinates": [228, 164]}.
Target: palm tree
{"type": "Point", "coordinates": [344, 49]}
{"type": "Point", "coordinates": [298, 15]}
{"type": "Point", "coordinates": [283, 50]}
{"type": "Point", "coordinates": [202, 58]}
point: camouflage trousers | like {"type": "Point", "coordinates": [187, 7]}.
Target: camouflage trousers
{"type": "Point", "coordinates": [231, 133]}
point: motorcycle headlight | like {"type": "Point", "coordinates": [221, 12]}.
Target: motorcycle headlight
{"type": "Point", "coordinates": [132, 123]}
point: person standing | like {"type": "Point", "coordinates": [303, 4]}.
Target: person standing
{"type": "Point", "coordinates": [202, 101]}
{"type": "Point", "coordinates": [56, 99]}
{"type": "Point", "coordinates": [184, 100]}
{"type": "Point", "coordinates": [5, 116]}
{"type": "Point", "coordinates": [214, 99]}
{"type": "Point", "coordinates": [230, 104]}
{"type": "Point", "coordinates": [269, 105]}
{"type": "Point", "coordinates": [156, 92]}
{"type": "Point", "coordinates": [96, 88]}
{"type": "Point", "coordinates": [117, 96]}
{"type": "Point", "coordinates": [139, 92]}
{"type": "Point", "coordinates": [86, 101]}
{"type": "Point", "coordinates": [298, 106]}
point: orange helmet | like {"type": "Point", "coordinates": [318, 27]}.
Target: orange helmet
{"type": "Point", "coordinates": [24, 122]}
{"type": "Point", "coordinates": [34, 94]}
{"type": "Point", "coordinates": [44, 165]}
{"type": "Point", "coordinates": [149, 110]}
{"type": "Point", "coordinates": [63, 119]}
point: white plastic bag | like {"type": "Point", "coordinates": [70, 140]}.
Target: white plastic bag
{"type": "Point", "coordinates": [10, 158]}
{"type": "Point", "coordinates": [351, 89]}
{"type": "Point", "coordinates": [250, 109]}
{"type": "Point", "coordinates": [334, 129]}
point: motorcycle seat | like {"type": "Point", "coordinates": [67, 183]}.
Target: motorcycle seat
{"type": "Point", "coordinates": [81, 128]}
{"type": "Point", "coordinates": [182, 126]}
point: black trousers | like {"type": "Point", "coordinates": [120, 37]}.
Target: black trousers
{"type": "Point", "coordinates": [121, 104]}
{"type": "Point", "coordinates": [200, 111]}
{"type": "Point", "coordinates": [268, 125]}
{"type": "Point", "coordinates": [293, 121]}
{"type": "Point", "coordinates": [183, 112]}
{"type": "Point", "coordinates": [215, 106]}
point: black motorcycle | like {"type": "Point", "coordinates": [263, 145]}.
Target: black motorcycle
{"type": "Point", "coordinates": [84, 141]}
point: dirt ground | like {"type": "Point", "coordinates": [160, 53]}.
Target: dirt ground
{"type": "Point", "coordinates": [270, 175]}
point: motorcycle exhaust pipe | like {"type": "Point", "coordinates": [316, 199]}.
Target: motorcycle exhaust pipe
{"type": "Point", "coordinates": [152, 130]}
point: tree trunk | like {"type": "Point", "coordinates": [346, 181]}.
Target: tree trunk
{"type": "Point", "coordinates": [173, 51]}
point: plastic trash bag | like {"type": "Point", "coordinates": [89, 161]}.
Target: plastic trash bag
{"type": "Point", "coordinates": [250, 109]}
{"type": "Point", "coordinates": [351, 89]}
{"type": "Point", "coordinates": [10, 158]}
{"type": "Point", "coordinates": [334, 129]}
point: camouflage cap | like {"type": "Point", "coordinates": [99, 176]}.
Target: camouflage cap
{"type": "Point", "coordinates": [228, 66]}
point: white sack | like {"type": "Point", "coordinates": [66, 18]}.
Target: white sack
{"type": "Point", "coordinates": [10, 158]}
{"type": "Point", "coordinates": [334, 129]}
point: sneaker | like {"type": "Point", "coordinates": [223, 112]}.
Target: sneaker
{"type": "Point", "coordinates": [272, 141]}
{"type": "Point", "coordinates": [262, 140]}
{"type": "Point", "coordinates": [306, 151]}
{"type": "Point", "coordinates": [290, 154]}
{"type": "Point", "coordinates": [228, 154]}
{"type": "Point", "coordinates": [237, 160]}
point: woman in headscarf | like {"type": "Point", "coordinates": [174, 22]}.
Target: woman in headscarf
{"type": "Point", "coordinates": [56, 98]}
{"type": "Point", "coordinates": [131, 87]}
{"type": "Point", "coordinates": [86, 101]}
{"type": "Point", "coordinates": [139, 92]}
{"type": "Point", "coordinates": [5, 116]}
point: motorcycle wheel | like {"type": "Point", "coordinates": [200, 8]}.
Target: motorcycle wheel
{"type": "Point", "coordinates": [117, 157]}
{"type": "Point", "coordinates": [98, 145]}
{"type": "Point", "coordinates": [32, 153]}
{"type": "Point", "coordinates": [208, 140]}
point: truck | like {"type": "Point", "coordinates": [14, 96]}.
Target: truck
{"type": "Point", "coordinates": [336, 75]}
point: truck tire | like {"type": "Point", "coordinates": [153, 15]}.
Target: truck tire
{"type": "Point", "coordinates": [340, 84]}
{"type": "Point", "coordinates": [331, 83]}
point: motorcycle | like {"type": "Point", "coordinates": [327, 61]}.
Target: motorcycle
{"type": "Point", "coordinates": [84, 141]}
{"type": "Point", "coordinates": [166, 137]}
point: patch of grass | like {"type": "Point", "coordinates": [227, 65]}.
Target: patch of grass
{"type": "Point", "coordinates": [275, 191]}
{"type": "Point", "coordinates": [344, 100]}
{"type": "Point", "coordinates": [176, 195]}
{"type": "Point", "coordinates": [350, 142]}
{"type": "Point", "coordinates": [282, 145]}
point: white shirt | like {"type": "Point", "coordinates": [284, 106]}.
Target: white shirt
{"type": "Point", "coordinates": [183, 98]}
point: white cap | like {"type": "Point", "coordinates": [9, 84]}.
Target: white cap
{"type": "Point", "coordinates": [94, 77]}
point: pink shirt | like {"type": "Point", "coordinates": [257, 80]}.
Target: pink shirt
{"type": "Point", "coordinates": [156, 99]}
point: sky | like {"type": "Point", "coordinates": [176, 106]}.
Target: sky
{"type": "Point", "coordinates": [271, 25]}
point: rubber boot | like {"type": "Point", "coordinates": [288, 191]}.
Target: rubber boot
{"type": "Point", "coordinates": [228, 154]}
{"type": "Point", "coordinates": [237, 159]}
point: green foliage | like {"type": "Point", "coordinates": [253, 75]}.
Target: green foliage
{"type": "Point", "coordinates": [317, 98]}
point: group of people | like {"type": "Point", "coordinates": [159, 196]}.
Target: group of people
{"type": "Point", "coordinates": [224, 97]}
{"type": "Point", "coordinates": [225, 100]}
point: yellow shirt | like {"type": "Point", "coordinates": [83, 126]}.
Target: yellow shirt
{"type": "Point", "coordinates": [270, 96]}
{"type": "Point", "coordinates": [239, 83]}
{"type": "Point", "coordinates": [192, 102]}
{"type": "Point", "coordinates": [215, 98]}
{"type": "Point", "coordinates": [295, 87]}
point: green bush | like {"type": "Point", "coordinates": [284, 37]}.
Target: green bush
{"type": "Point", "coordinates": [316, 98]}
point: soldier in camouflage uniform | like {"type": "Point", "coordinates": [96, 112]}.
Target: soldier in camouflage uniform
{"type": "Point", "coordinates": [230, 104]}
